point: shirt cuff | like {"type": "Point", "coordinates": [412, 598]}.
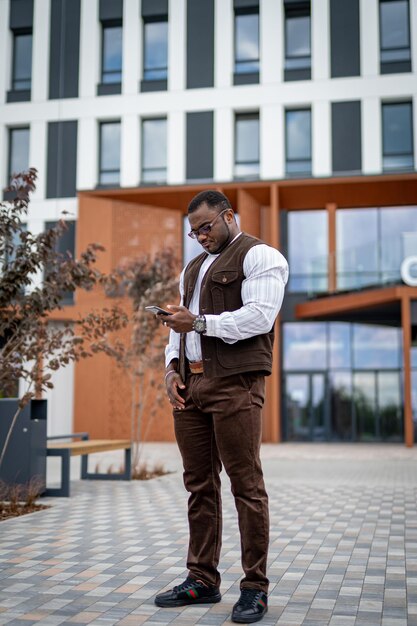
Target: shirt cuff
{"type": "Point", "coordinates": [214, 328]}
{"type": "Point", "coordinates": [170, 355]}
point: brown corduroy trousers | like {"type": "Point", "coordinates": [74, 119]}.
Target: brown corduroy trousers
{"type": "Point", "coordinates": [221, 425]}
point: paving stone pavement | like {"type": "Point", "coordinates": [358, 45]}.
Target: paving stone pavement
{"type": "Point", "coordinates": [343, 545]}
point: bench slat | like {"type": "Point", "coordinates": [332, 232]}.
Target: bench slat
{"type": "Point", "coordinates": [90, 446]}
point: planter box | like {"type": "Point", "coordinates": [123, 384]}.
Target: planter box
{"type": "Point", "coordinates": [25, 458]}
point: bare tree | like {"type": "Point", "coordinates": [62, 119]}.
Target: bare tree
{"type": "Point", "coordinates": [145, 280]}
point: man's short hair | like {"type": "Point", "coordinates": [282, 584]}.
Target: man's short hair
{"type": "Point", "coordinates": [213, 199]}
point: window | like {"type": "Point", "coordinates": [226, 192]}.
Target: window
{"type": "Point", "coordinates": [372, 243]}
{"type": "Point", "coordinates": [394, 36]}
{"type": "Point", "coordinates": [111, 54]}
{"type": "Point", "coordinates": [357, 248]}
{"type": "Point", "coordinates": [247, 145]}
{"type": "Point", "coordinates": [397, 136]}
{"type": "Point", "coordinates": [247, 44]}
{"type": "Point", "coordinates": [22, 61]}
{"type": "Point", "coordinates": [18, 151]}
{"type": "Point", "coordinates": [307, 251]}
{"type": "Point", "coordinates": [65, 246]}
{"type": "Point", "coordinates": [155, 49]}
{"type": "Point", "coordinates": [109, 153]}
{"type": "Point", "coordinates": [154, 150]}
{"type": "Point", "coordinates": [376, 347]}
{"type": "Point", "coordinates": [305, 346]}
{"type": "Point", "coordinates": [297, 41]}
{"type": "Point", "coordinates": [342, 381]}
{"type": "Point", "coordinates": [298, 142]}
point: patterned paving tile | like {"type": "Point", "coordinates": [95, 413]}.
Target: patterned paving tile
{"type": "Point", "coordinates": [343, 546]}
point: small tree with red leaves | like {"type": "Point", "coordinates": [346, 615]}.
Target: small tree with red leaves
{"type": "Point", "coordinates": [33, 279]}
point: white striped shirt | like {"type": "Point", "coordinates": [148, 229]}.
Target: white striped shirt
{"type": "Point", "coordinates": [266, 274]}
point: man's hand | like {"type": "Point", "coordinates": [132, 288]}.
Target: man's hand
{"type": "Point", "coordinates": [174, 382]}
{"type": "Point", "coordinates": [181, 321]}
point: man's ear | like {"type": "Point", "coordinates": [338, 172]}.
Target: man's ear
{"type": "Point", "coordinates": [230, 215]}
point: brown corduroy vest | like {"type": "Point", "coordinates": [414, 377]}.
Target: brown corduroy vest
{"type": "Point", "coordinates": [221, 291]}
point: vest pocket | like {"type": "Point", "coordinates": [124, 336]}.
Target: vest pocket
{"type": "Point", "coordinates": [221, 296]}
{"type": "Point", "coordinates": [225, 277]}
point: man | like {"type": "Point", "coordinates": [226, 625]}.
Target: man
{"type": "Point", "coordinates": [219, 351]}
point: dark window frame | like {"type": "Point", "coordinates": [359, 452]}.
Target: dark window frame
{"type": "Point", "coordinates": [253, 115]}
{"type": "Point", "coordinates": [385, 64]}
{"type": "Point", "coordinates": [318, 279]}
{"type": "Point", "coordinates": [11, 129]}
{"type": "Point", "coordinates": [299, 9]}
{"type": "Point", "coordinates": [107, 25]}
{"type": "Point", "coordinates": [152, 19]}
{"type": "Point", "coordinates": [399, 154]}
{"type": "Point", "coordinates": [21, 32]}
{"type": "Point", "coordinates": [100, 160]}
{"type": "Point", "coordinates": [67, 297]}
{"type": "Point", "coordinates": [254, 10]}
{"type": "Point", "coordinates": [300, 174]}
{"type": "Point", "coordinates": [162, 118]}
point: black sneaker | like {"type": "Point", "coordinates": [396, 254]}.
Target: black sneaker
{"type": "Point", "coordinates": [251, 606]}
{"type": "Point", "coordinates": [191, 591]}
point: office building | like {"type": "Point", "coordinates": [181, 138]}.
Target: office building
{"type": "Point", "coordinates": [302, 112]}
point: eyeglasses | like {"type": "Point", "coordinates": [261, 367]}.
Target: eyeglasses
{"type": "Point", "coordinates": [204, 230]}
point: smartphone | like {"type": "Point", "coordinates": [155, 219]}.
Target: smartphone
{"type": "Point", "coordinates": [157, 309]}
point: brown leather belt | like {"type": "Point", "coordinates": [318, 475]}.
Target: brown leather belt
{"type": "Point", "coordinates": [196, 367]}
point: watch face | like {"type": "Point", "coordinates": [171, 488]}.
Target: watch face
{"type": "Point", "coordinates": [199, 325]}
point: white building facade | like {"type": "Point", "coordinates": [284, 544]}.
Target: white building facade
{"type": "Point", "coordinates": [130, 93]}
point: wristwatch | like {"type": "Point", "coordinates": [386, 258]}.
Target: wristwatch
{"type": "Point", "coordinates": [200, 324]}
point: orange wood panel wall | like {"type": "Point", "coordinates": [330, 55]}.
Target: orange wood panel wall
{"type": "Point", "coordinates": [249, 212]}
{"type": "Point", "coordinates": [408, 408]}
{"type": "Point", "coordinates": [103, 392]}
{"type": "Point", "coordinates": [272, 409]}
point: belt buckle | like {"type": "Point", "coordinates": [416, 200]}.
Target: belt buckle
{"type": "Point", "coordinates": [196, 367]}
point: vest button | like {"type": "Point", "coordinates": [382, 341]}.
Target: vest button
{"type": "Point", "coordinates": [224, 279]}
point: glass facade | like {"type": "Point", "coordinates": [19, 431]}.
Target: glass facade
{"type": "Point", "coordinates": [154, 150]}
{"type": "Point", "coordinates": [298, 142]}
{"type": "Point", "coordinates": [372, 243]}
{"type": "Point", "coordinates": [246, 42]}
{"type": "Point", "coordinates": [111, 61]}
{"type": "Point", "coordinates": [307, 250]}
{"type": "Point", "coordinates": [109, 168]}
{"type": "Point", "coordinates": [397, 136]}
{"type": "Point", "coordinates": [342, 382]}
{"type": "Point", "coordinates": [22, 61]}
{"type": "Point", "coordinates": [18, 151]}
{"type": "Point", "coordinates": [394, 31]}
{"type": "Point", "coordinates": [155, 49]}
{"type": "Point", "coordinates": [297, 36]}
{"type": "Point", "coordinates": [247, 145]}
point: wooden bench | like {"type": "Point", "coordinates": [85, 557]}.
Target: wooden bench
{"type": "Point", "coordinates": [84, 447]}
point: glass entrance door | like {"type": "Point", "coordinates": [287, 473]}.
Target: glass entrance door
{"type": "Point", "coordinates": [306, 402]}
{"type": "Point", "coordinates": [377, 406]}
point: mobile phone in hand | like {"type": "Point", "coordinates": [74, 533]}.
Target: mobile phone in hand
{"type": "Point", "coordinates": [157, 310]}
